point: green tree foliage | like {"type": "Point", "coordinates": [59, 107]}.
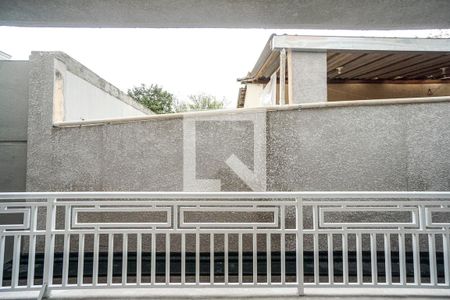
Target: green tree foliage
{"type": "Point", "coordinates": [181, 106]}
{"type": "Point", "coordinates": [161, 101]}
{"type": "Point", "coordinates": [203, 102]}
{"type": "Point", "coordinates": [154, 98]}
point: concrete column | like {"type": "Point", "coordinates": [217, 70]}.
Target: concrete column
{"type": "Point", "coordinates": [307, 77]}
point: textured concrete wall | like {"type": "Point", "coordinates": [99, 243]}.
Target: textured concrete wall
{"type": "Point", "coordinates": [40, 129]}
{"type": "Point", "coordinates": [320, 14]}
{"type": "Point", "coordinates": [383, 147]}
{"type": "Point", "coordinates": [13, 124]}
{"type": "Point", "coordinates": [386, 147]}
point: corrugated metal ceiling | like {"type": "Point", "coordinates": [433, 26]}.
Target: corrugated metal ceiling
{"type": "Point", "coordinates": [371, 66]}
{"type": "Point", "coordinates": [387, 66]}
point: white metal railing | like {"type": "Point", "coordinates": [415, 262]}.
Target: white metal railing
{"type": "Point", "coordinates": [62, 241]}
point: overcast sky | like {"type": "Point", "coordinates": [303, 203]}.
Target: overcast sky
{"type": "Point", "coordinates": [183, 61]}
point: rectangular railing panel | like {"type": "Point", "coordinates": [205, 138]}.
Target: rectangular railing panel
{"type": "Point", "coordinates": [300, 240]}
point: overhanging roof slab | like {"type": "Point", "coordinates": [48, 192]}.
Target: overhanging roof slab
{"type": "Point", "coordinates": [295, 14]}
{"type": "Point", "coordinates": [368, 44]}
{"type": "Point", "coordinates": [363, 58]}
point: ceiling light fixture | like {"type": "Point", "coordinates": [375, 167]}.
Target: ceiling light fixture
{"type": "Point", "coordinates": [444, 73]}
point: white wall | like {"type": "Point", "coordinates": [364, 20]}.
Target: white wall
{"type": "Point", "coordinates": [76, 99]}
{"type": "Point", "coordinates": [253, 95]}
{"type": "Point", "coordinates": [84, 101]}
{"type": "Point", "coordinates": [362, 91]}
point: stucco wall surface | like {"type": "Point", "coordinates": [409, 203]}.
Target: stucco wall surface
{"type": "Point", "coordinates": [387, 147]}
{"type": "Point", "coordinates": [13, 124]}
{"type": "Point", "coordinates": [377, 147]}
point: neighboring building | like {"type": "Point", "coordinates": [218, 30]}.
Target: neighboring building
{"type": "Point", "coordinates": [76, 92]}
{"type": "Point", "coordinates": [4, 56]}
{"type": "Point", "coordinates": [321, 69]}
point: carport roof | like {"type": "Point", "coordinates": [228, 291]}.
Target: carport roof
{"type": "Point", "coordinates": [367, 59]}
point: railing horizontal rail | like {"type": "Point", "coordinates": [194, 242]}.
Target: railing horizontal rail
{"type": "Point", "coordinates": [226, 195]}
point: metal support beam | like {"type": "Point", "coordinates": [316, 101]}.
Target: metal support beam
{"type": "Point", "coordinates": [334, 43]}
{"type": "Point", "coordinates": [283, 77]}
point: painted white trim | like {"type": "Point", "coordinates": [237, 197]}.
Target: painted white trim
{"type": "Point", "coordinates": [325, 43]}
{"type": "Point", "coordinates": [392, 101]}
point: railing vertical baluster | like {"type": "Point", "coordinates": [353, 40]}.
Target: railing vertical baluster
{"type": "Point", "coordinates": [175, 218]}
{"type": "Point", "coordinates": [153, 258]}
{"type": "Point", "coordinates": [345, 278]}
{"type": "Point", "coordinates": [110, 258]}
{"type": "Point", "coordinates": [269, 257]}
{"type": "Point", "coordinates": [65, 275]}
{"type": "Point", "coordinates": [2, 256]}
{"type": "Point", "coordinates": [416, 259]}
{"type": "Point", "coordinates": [299, 248]}
{"type": "Point", "coordinates": [80, 274]}
{"type": "Point", "coordinates": [211, 258]}
{"type": "Point", "coordinates": [283, 244]}
{"type": "Point", "coordinates": [197, 258]}
{"type": "Point", "coordinates": [387, 258]}
{"type": "Point", "coordinates": [432, 258]}
{"type": "Point", "coordinates": [315, 244]}
{"type": "Point", "coordinates": [31, 260]}
{"type": "Point", "coordinates": [255, 258]}
{"type": "Point", "coordinates": [402, 258]}
{"type": "Point", "coordinates": [373, 258]}
{"type": "Point", "coordinates": [446, 249]}
{"type": "Point", "coordinates": [316, 257]}
{"type": "Point", "coordinates": [225, 245]}
{"type": "Point", "coordinates": [139, 259]}
{"type": "Point", "coordinates": [183, 258]}
{"type": "Point", "coordinates": [49, 244]}
{"type": "Point", "coordinates": [167, 258]}
{"type": "Point", "coordinates": [95, 264]}
{"type": "Point", "coordinates": [16, 261]}
{"type": "Point", "coordinates": [422, 227]}
{"type": "Point", "coordinates": [240, 271]}
{"type": "Point", "coordinates": [125, 259]}
{"type": "Point", "coordinates": [32, 248]}
{"type": "Point", "coordinates": [359, 267]}
{"type": "Point", "coordinates": [330, 259]}
{"type": "Point", "coordinates": [66, 253]}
